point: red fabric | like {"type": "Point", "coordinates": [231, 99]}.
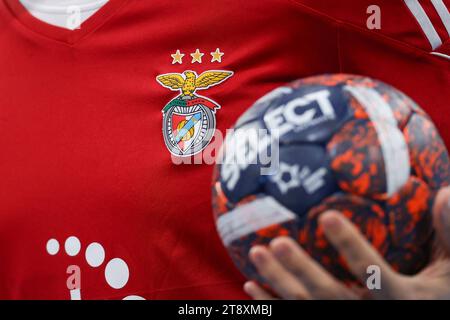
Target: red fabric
{"type": "Point", "coordinates": [82, 149]}
{"type": "Point", "coordinates": [82, 153]}
{"type": "Point", "coordinates": [398, 54]}
{"type": "Point", "coordinates": [445, 49]}
{"type": "Point", "coordinates": [397, 22]}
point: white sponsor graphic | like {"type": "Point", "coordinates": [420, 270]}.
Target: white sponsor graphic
{"type": "Point", "coordinates": [301, 113]}
{"type": "Point", "coordinates": [245, 146]}
{"type": "Point", "coordinates": [251, 217]}
{"type": "Point", "coordinates": [289, 177]}
{"type": "Point", "coordinates": [251, 142]}
{"type": "Point", "coordinates": [116, 271]}
{"type": "Point", "coordinates": [286, 184]}
{"type": "Point", "coordinates": [393, 145]}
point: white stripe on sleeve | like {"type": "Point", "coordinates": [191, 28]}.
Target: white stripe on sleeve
{"type": "Point", "coordinates": [425, 23]}
{"type": "Point", "coordinates": [442, 10]}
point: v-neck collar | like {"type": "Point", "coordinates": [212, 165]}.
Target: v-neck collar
{"type": "Point", "coordinates": [61, 34]}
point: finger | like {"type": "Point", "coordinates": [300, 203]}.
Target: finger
{"type": "Point", "coordinates": [319, 283]}
{"type": "Point", "coordinates": [355, 249]}
{"type": "Point", "coordinates": [256, 292]}
{"type": "Point", "coordinates": [441, 217]}
{"type": "Point", "coordinates": [279, 279]}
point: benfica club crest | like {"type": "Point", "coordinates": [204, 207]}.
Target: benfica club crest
{"type": "Point", "coordinates": [189, 120]}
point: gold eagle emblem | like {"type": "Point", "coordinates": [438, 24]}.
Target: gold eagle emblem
{"type": "Point", "coordinates": [191, 82]}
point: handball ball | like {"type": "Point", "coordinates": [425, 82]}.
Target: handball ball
{"type": "Point", "coordinates": [341, 142]}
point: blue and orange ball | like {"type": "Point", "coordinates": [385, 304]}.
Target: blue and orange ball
{"type": "Point", "coordinates": [345, 142]}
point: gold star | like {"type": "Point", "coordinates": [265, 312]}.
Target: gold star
{"type": "Point", "coordinates": [177, 57]}
{"type": "Point", "coordinates": [217, 55]}
{"type": "Point", "coordinates": [197, 56]}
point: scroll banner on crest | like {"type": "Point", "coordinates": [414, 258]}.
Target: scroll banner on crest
{"type": "Point", "coordinates": [190, 103]}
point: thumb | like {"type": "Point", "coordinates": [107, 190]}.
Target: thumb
{"type": "Point", "coordinates": [441, 217]}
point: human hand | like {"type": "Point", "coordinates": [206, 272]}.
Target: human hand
{"type": "Point", "coordinates": [293, 274]}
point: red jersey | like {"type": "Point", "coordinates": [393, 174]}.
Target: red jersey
{"type": "Point", "coordinates": [92, 205]}
{"type": "Point", "coordinates": [410, 51]}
